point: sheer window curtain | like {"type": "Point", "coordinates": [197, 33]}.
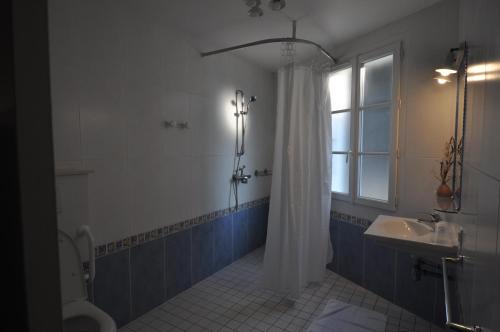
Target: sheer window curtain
{"type": "Point", "coordinates": [298, 229]}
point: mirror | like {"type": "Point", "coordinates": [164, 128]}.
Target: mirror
{"type": "Point", "coordinates": [457, 60]}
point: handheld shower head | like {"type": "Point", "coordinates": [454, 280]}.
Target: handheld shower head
{"type": "Point", "coordinates": [252, 100]}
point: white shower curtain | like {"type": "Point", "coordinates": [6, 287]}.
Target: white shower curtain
{"type": "Point", "coordinates": [299, 213]}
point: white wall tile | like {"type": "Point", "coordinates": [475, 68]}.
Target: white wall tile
{"type": "Point", "coordinates": [109, 199]}
{"type": "Point", "coordinates": [72, 207]}
{"type": "Point", "coordinates": [72, 202]}
{"type": "Point", "coordinates": [119, 72]}
{"type": "Point", "coordinates": [418, 185]}
{"type": "Point", "coordinates": [483, 298]}
{"type": "Point", "coordinates": [479, 279]}
{"type": "Point", "coordinates": [213, 184]}
{"type": "Point", "coordinates": [174, 106]}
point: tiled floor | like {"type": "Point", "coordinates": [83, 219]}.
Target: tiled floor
{"type": "Point", "coordinates": [231, 300]}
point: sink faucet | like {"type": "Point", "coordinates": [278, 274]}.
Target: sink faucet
{"type": "Point", "coordinates": [432, 221]}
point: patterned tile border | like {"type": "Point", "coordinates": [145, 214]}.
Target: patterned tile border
{"type": "Point", "coordinates": [344, 217]}
{"type": "Point", "coordinates": [134, 240]}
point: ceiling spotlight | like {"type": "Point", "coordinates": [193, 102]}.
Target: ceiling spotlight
{"type": "Point", "coordinates": [255, 12]}
{"type": "Point", "coordinates": [277, 4]}
{"type": "Point", "coordinates": [252, 3]}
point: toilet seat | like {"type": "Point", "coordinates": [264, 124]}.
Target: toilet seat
{"type": "Point", "coordinates": [84, 308]}
{"type": "Point", "coordinates": [73, 289]}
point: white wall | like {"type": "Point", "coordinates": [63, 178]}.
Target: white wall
{"type": "Point", "coordinates": [118, 72]}
{"type": "Point", "coordinates": [427, 114]}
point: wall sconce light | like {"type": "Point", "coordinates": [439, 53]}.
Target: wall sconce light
{"type": "Point", "coordinates": [450, 65]}
{"type": "Point", "coordinates": [442, 79]}
{"type": "Point", "coordinates": [443, 71]}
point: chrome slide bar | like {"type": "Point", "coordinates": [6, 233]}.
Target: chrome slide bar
{"type": "Point", "coordinates": [449, 322]}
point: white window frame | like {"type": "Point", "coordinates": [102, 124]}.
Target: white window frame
{"type": "Point", "coordinates": [348, 64]}
{"type": "Point", "coordinates": [355, 63]}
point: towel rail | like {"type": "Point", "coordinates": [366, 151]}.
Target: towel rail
{"type": "Point", "coordinates": [449, 320]}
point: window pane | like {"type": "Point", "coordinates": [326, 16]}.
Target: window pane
{"type": "Point", "coordinates": [374, 177]}
{"type": "Point", "coordinates": [340, 89]}
{"type": "Point", "coordinates": [340, 173]}
{"type": "Point", "coordinates": [376, 81]}
{"type": "Point", "coordinates": [341, 131]}
{"type": "Point", "coordinates": [375, 130]}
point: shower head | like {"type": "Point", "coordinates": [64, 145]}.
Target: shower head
{"type": "Point", "coordinates": [252, 100]}
{"type": "Point", "coordinates": [277, 4]}
{"type": "Point", "coordinates": [255, 12]}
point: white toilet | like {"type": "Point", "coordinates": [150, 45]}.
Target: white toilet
{"type": "Point", "coordinates": [79, 315]}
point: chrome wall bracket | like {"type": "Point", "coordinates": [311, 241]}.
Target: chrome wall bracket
{"type": "Point", "coordinates": [177, 124]}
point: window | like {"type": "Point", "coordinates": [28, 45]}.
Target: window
{"type": "Point", "coordinates": [340, 82]}
{"type": "Point", "coordinates": [364, 139]}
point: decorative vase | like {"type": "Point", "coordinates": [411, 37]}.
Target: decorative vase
{"type": "Point", "coordinates": [444, 190]}
{"type": "Point", "coordinates": [444, 203]}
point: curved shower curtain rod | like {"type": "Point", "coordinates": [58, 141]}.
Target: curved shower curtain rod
{"type": "Point", "coordinates": [292, 39]}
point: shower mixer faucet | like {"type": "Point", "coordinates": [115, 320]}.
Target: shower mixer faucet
{"type": "Point", "coordinates": [238, 176]}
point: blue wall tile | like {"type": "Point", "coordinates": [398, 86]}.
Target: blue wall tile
{"type": "Point", "coordinates": [264, 215]}
{"type": "Point", "coordinates": [350, 241]}
{"type": "Point", "coordinates": [334, 264]}
{"type": "Point", "coordinates": [223, 242]}
{"type": "Point", "coordinates": [379, 269]}
{"type": "Point", "coordinates": [240, 234]}
{"type": "Point", "coordinates": [178, 262]}
{"type": "Point", "coordinates": [385, 271]}
{"type": "Point", "coordinates": [415, 296]}
{"type": "Point", "coordinates": [257, 227]}
{"type": "Point", "coordinates": [265, 207]}
{"type": "Point", "coordinates": [202, 263]}
{"type": "Point", "coordinates": [112, 286]}
{"type": "Point", "coordinates": [264, 212]}
{"type": "Point", "coordinates": [439, 312]}
{"type": "Point", "coordinates": [158, 270]}
{"type": "Point", "coordinates": [148, 276]}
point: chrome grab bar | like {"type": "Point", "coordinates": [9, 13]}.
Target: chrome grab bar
{"type": "Point", "coordinates": [264, 172]}
{"type": "Point", "coordinates": [84, 231]}
{"type": "Point", "coordinates": [449, 323]}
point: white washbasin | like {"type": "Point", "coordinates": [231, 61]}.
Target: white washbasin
{"type": "Point", "coordinates": [412, 236]}
{"type": "Point", "coordinates": [404, 228]}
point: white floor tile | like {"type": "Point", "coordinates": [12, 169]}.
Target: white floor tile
{"type": "Point", "coordinates": [231, 300]}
